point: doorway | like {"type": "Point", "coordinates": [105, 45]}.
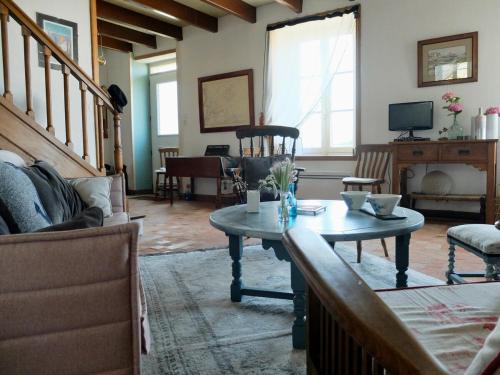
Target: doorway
{"type": "Point", "coordinates": [164, 112]}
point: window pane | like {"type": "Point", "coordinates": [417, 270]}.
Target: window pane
{"type": "Point", "coordinates": [342, 129]}
{"type": "Point", "coordinates": [310, 58]}
{"type": "Point", "coordinates": [310, 131]}
{"type": "Point", "coordinates": [310, 95]}
{"type": "Point", "coordinates": [342, 92]}
{"type": "Point", "coordinates": [344, 59]}
{"type": "Point", "coordinates": [166, 101]}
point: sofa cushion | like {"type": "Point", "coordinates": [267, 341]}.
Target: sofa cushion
{"type": "Point", "coordinates": [20, 205]}
{"type": "Point", "coordinates": [12, 158]}
{"type": "Point", "coordinates": [483, 237]}
{"type": "Point", "coordinates": [95, 191]}
{"type": "Point", "coordinates": [91, 217]}
{"type": "Point", "coordinates": [61, 201]}
{"type": "Point", "coordinates": [117, 219]}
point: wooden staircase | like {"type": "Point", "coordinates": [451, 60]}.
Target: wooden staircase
{"type": "Point", "coordinates": [21, 133]}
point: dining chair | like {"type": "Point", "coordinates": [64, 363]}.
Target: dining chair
{"type": "Point", "coordinates": [371, 168]}
{"type": "Point", "coordinates": [260, 147]}
{"type": "Point", "coordinates": [165, 152]}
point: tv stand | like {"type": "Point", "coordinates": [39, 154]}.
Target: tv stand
{"type": "Point", "coordinates": [410, 138]}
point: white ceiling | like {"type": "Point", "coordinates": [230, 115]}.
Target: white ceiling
{"type": "Point", "coordinates": [196, 4]}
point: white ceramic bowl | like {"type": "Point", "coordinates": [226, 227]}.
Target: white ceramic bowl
{"type": "Point", "coordinates": [354, 199]}
{"type": "Point", "coordinates": [383, 204]}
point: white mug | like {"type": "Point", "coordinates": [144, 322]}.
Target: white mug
{"type": "Point", "coordinates": [253, 200]}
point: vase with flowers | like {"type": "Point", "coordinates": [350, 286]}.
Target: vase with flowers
{"type": "Point", "coordinates": [454, 107]}
{"type": "Point", "coordinates": [492, 114]}
{"type": "Point", "coordinates": [282, 174]}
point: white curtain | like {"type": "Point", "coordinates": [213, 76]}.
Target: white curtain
{"type": "Point", "coordinates": [300, 65]}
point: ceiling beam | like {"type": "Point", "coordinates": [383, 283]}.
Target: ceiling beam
{"type": "Point", "coordinates": [125, 34]}
{"type": "Point", "coordinates": [113, 12]}
{"type": "Point", "coordinates": [183, 12]}
{"type": "Point", "coordinates": [295, 5]}
{"type": "Point", "coordinates": [115, 44]}
{"type": "Point", "coordinates": [237, 7]}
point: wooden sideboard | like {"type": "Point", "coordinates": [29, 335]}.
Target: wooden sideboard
{"type": "Point", "coordinates": [480, 154]}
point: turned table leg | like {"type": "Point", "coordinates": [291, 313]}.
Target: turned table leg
{"type": "Point", "coordinates": [236, 251]}
{"type": "Point", "coordinates": [402, 260]}
{"type": "Point", "coordinates": [299, 307]}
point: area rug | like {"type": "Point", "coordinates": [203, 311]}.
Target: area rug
{"type": "Point", "coordinates": [196, 329]}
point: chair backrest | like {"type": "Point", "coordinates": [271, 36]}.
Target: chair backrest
{"type": "Point", "coordinates": [372, 161]}
{"type": "Point", "coordinates": [268, 133]}
{"type": "Point", "coordinates": [167, 152]}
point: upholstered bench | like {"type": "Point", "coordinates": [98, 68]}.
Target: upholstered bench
{"type": "Point", "coordinates": [482, 240]}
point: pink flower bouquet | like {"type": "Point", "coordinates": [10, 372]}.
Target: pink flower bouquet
{"type": "Point", "coordinates": [492, 111]}
{"type": "Point", "coordinates": [454, 106]}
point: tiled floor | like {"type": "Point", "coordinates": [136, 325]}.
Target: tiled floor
{"type": "Point", "coordinates": [185, 227]}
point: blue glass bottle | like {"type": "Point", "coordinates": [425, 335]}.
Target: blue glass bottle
{"type": "Point", "coordinates": [292, 200]}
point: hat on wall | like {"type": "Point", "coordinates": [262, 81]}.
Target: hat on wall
{"type": "Point", "coordinates": [118, 98]}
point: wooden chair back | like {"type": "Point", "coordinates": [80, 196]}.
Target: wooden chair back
{"type": "Point", "coordinates": [372, 161]}
{"type": "Point", "coordinates": [167, 152]}
{"type": "Point", "coordinates": [263, 133]}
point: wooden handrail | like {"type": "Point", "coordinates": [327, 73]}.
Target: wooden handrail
{"type": "Point", "coordinates": [69, 68]}
{"type": "Point", "coordinates": [40, 36]}
{"type": "Point", "coordinates": [360, 316]}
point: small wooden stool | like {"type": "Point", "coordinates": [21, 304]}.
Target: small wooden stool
{"type": "Point", "coordinates": [482, 240]}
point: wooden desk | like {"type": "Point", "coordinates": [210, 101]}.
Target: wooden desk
{"type": "Point", "coordinates": [480, 154]}
{"type": "Point", "coordinates": [200, 166]}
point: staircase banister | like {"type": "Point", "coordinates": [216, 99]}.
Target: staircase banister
{"type": "Point", "coordinates": [37, 33]}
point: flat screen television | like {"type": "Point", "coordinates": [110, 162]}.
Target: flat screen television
{"type": "Point", "coordinates": [411, 116]}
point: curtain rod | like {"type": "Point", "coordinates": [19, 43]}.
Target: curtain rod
{"type": "Point", "coordinates": [316, 17]}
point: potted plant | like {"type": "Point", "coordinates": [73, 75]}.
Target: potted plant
{"type": "Point", "coordinates": [454, 107]}
{"type": "Point", "coordinates": [282, 174]}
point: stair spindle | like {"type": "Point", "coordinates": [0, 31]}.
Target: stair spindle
{"type": "Point", "coordinates": [83, 90]}
{"type": "Point", "coordinates": [67, 114]}
{"type": "Point", "coordinates": [48, 89]}
{"type": "Point", "coordinates": [100, 123]}
{"type": "Point", "coordinates": [4, 19]}
{"type": "Point", "coordinates": [27, 70]}
{"type": "Point", "coordinates": [118, 143]}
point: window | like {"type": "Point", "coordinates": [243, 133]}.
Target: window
{"type": "Point", "coordinates": [166, 96]}
{"type": "Point", "coordinates": [311, 82]}
{"type": "Point", "coordinates": [162, 67]}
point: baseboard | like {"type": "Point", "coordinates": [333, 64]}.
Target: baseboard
{"type": "Point", "coordinates": [140, 192]}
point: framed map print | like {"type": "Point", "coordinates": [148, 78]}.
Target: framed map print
{"type": "Point", "coordinates": [448, 60]}
{"type": "Point", "coordinates": [63, 33]}
{"type": "Point", "coordinates": [226, 101]}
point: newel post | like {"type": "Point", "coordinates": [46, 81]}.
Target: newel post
{"type": "Point", "coordinates": [118, 143]}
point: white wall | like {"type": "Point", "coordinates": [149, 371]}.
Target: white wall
{"type": "Point", "coordinates": [118, 71]}
{"type": "Point", "coordinates": [77, 11]}
{"type": "Point", "coordinates": [390, 31]}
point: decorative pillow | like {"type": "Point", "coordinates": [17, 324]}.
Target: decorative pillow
{"type": "Point", "coordinates": [487, 360]}
{"type": "Point", "coordinates": [12, 158]}
{"type": "Point", "coordinates": [89, 218]}
{"type": "Point", "coordinates": [95, 191]}
{"type": "Point", "coordinates": [61, 201]}
{"type": "Point", "coordinates": [20, 205]}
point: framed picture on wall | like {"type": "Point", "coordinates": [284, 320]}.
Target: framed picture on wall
{"type": "Point", "coordinates": [448, 60]}
{"type": "Point", "coordinates": [226, 101]}
{"type": "Point", "coordinates": [63, 33]}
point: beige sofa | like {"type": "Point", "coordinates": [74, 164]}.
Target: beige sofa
{"type": "Point", "coordinates": [70, 302]}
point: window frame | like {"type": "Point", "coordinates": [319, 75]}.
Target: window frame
{"type": "Point", "coordinates": [357, 96]}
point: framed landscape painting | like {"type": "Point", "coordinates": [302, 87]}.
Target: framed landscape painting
{"type": "Point", "coordinates": [448, 60]}
{"type": "Point", "coordinates": [63, 33]}
{"type": "Point", "coordinates": [226, 101]}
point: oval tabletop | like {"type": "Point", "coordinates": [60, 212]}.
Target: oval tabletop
{"type": "Point", "coordinates": [337, 223]}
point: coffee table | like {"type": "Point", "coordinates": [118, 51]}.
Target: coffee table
{"type": "Point", "coordinates": [336, 224]}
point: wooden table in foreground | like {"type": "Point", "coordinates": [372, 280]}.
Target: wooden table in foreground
{"type": "Point", "coordinates": [337, 224]}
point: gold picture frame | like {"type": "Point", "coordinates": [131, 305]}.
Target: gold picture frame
{"type": "Point", "coordinates": [448, 60]}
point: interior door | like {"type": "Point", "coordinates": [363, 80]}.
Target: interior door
{"type": "Point", "coordinates": [164, 113]}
